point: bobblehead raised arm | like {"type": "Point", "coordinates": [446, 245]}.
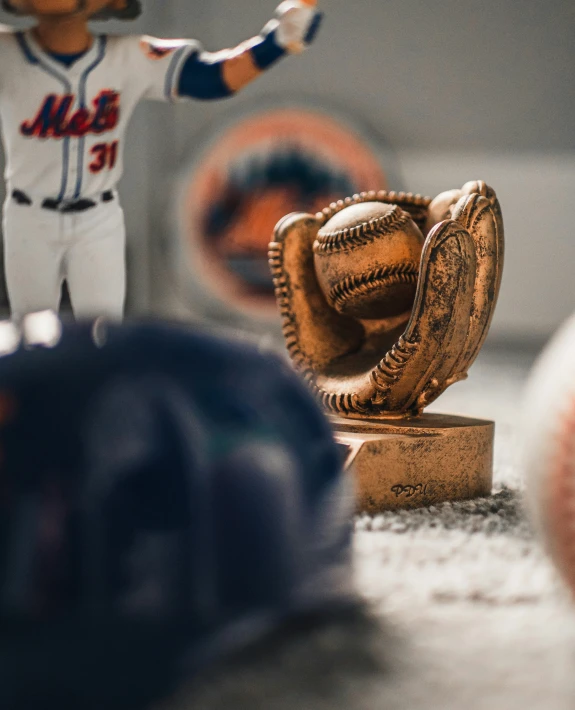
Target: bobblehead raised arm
{"type": "Point", "coordinates": [215, 75]}
{"type": "Point", "coordinates": [64, 123]}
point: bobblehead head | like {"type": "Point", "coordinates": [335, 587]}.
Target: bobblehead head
{"type": "Point", "coordinates": [101, 9]}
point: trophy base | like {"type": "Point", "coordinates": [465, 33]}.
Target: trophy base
{"type": "Point", "coordinates": [413, 463]}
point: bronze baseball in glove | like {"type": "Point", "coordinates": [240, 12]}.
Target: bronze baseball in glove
{"type": "Point", "coordinates": [367, 260]}
{"type": "Point", "coordinates": [379, 320]}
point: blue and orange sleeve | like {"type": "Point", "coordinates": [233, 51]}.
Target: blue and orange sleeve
{"type": "Point", "coordinates": [216, 75]}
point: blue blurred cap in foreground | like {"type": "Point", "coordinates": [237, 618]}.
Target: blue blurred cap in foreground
{"type": "Point", "coordinates": [166, 496]}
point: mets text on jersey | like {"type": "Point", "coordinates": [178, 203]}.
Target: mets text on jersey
{"type": "Point", "coordinates": [56, 118]}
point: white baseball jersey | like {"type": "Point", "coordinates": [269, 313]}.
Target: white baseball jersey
{"type": "Point", "coordinates": [63, 127]}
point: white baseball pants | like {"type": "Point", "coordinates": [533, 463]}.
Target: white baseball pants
{"type": "Point", "coordinates": [42, 248]}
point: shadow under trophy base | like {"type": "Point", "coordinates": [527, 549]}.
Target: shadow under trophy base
{"type": "Point", "coordinates": [381, 319]}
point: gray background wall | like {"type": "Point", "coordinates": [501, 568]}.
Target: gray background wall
{"type": "Point", "coordinates": [460, 89]}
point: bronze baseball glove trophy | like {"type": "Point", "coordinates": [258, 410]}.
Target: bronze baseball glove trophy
{"type": "Point", "coordinates": [380, 320]}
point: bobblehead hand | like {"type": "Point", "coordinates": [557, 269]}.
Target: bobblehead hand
{"type": "Point", "coordinates": [298, 22]}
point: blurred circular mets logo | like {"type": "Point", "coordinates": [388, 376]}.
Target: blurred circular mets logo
{"type": "Point", "coordinates": [264, 167]}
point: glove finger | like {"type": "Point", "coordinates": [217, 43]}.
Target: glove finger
{"type": "Point", "coordinates": [417, 369]}
{"type": "Point", "coordinates": [315, 333]}
{"type": "Point", "coordinates": [476, 214]}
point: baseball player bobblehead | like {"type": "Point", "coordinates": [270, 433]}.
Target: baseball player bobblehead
{"type": "Point", "coordinates": [66, 98]}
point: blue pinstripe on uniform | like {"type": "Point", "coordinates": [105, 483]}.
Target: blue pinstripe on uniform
{"type": "Point", "coordinates": [102, 43]}
{"type": "Point", "coordinates": [33, 59]}
{"type": "Point", "coordinates": [169, 85]}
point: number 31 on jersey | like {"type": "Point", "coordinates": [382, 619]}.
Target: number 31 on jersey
{"type": "Point", "coordinates": [104, 156]}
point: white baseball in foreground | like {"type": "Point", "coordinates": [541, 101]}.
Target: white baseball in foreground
{"type": "Point", "coordinates": [548, 448]}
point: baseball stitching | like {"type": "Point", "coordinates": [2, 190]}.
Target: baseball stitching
{"type": "Point", "coordinates": [364, 284]}
{"type": "Point", "coordinates": [351, 238]}
{"type": "Point", "coordinates": [416, 205]}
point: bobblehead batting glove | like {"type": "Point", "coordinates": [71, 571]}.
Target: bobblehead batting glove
{"type": "Point", "coordinates": [296, 25]}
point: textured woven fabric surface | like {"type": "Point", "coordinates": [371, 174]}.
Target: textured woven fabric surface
{"type": "Point", "coordinates": [483, 618]}
{"type": "Point", "coordinates": [469, 613]}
